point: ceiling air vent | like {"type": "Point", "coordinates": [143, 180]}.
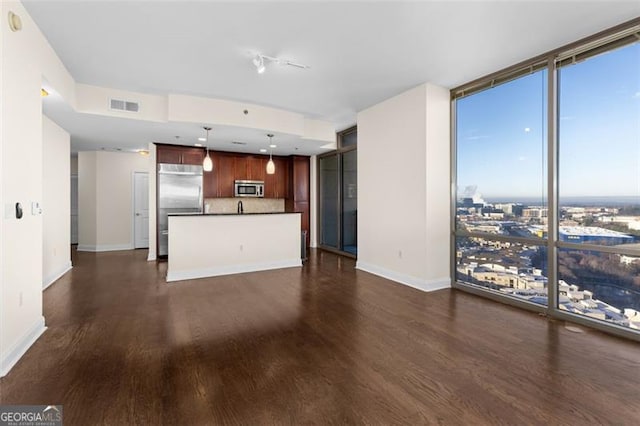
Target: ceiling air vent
{"type": "Point", "coordinates": [120, 105]}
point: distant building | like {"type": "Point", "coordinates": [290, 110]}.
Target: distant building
{"type": "Point", "coordinates": [593, 235]}
{"type": "Point", "coordinates": [513, 209]}
{"type": "Point", "coordinates": [535, 212]}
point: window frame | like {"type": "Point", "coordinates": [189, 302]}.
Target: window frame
{"type": "Point", "coordinates": [623, 34]}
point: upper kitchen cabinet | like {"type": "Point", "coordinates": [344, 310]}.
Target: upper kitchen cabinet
{"type": "Point", "coordinates": [256, 168]}
{"type": "Point", "coordinates": [249, 167]}
{"type": "Point", "coordinates": [193, 156]}
{"type": "Point", "coordinates": [275, 185]}
{"type": "Point", "coordinates": [229, 167]}
{"type": "Point", "coordinates": [226, 176]}
{"type": "Point", "coordinates": [220, 181]}
{"type": "Point", "coordinates": [174, 154]}
{"type": "Point", "coordinates": [298, 198]}
{"type": "Point", "coordinates": [300, 168]}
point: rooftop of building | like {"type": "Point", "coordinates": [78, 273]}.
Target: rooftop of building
{"type": "Point", "coordinates": [592, 231]}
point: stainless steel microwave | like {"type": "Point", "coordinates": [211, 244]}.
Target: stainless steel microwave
{"type": "Point", "coordinates": [249, 188]}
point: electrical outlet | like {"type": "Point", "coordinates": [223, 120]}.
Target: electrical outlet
{"type": "Point", "coordinates": [241, 247]}
{"type": "Point", "coordinates": [20, 301]}
{"type": "Point", "coordinates": [399, 254]}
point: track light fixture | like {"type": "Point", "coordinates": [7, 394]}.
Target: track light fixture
{"type": "Point", "coordinates": [271, 166]}
{"type": "Point", "coordinates": [207, 164]}
{"type": "Point", "coordinates": [260, 61]}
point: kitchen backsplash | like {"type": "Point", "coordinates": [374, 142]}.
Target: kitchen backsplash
{"type": "Point", "coordinates": [250, 205]}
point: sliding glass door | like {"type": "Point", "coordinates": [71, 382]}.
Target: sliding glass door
{"type": "Point", "coordinates": [338, 192]}
{"type": "Point", "coordinates": [329, 201]}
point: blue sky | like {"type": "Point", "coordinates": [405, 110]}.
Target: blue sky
{"type": "Point", "coordinates": [501, 132]}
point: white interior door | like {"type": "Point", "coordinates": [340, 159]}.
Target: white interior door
{"type": "Point", "coordinates": [141, 209]}
{"type": "Point", "coordinates": [74, 209]}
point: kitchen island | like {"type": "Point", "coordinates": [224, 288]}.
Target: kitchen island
{"type": "Point", "coordinates": [208, 245]}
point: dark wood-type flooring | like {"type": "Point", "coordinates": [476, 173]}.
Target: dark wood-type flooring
{"type": "Point", "coordinates": [324, 344]}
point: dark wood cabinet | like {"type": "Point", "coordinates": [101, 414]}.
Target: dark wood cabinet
{"type": "Point", "coordinates": [240, 167]}
{"type": "Point", "coordinates": [226, 175]}
{"type": "Point", "coordinates": [300, 178]}
{"type": "Point", "coordinates": [219, 183]}
{"type": "Point", "coordinates": [168, 155]}
{"type": "Point", "coordinates": [193, 156]}
{"type": "Point", "coordinates": [249, 167]}
{"type": "Point", "coordinates": [257, 168]}
{"type": "Point", "coordinates": [275, 185]}
{"type": "Point", "coordinates": [229, 167]}
{"type": "Point", "coordinates": [175, 154]}
{"type": "Point", "coordinates": [298, 197]}
{"type": "Point", "coordinates": [210, 179]}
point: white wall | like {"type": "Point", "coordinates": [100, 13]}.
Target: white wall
{"type": "Point", "coordinates": [56, 202]}
{"type": "Point", "coordinates": [403, 188]}
{"type": "Point", "coordinates": [152, 202]}
{"type": "Point", "coordinates": [105, 194]}
{"type": "Point", "coordinates": [27, 59]}
{"type": "Point", "coordinates": [87, 196]}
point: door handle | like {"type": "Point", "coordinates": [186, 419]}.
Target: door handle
{"type": "Point", "coordinates": [137, 214]}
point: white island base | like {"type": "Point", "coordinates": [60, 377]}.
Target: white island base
{"type": "Point", "coordinates": [209, 245]}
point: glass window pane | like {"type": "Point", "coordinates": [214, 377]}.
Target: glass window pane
{"type": "Point", "coordinates": [349, 139]}
{"type": "Point", "coordinates": [599, 149]}
{"type": "Point", "coordinates": [349, 201]}
{"type": "Point", "coordinates": [501, 154]}
{"type": "Point", "coordinates": [600, 285]}
{"type": "Point", "coordinates": [507, 268]}
{"type": "Point", "coordinates": [329, 201]}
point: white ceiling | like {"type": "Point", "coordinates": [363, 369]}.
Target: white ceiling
{"type": "Point", "coordinates": [360, 52]}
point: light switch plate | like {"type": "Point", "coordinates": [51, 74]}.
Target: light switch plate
{"type": "Point", "coordinates": [35, 208]}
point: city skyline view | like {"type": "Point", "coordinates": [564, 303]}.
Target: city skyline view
{"type": "Point", "coordinates": [502, 132]}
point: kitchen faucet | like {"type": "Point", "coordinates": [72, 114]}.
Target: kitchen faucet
{"type": "Point", "coordinates": [240, 207]}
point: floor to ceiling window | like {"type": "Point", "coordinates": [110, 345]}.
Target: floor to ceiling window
{"type": "Point", "coordinates": [599, 185]}
{"type": "Point", "coordinates": [547, 177]}
{"type": "Point", "coordinates": [501, 214]}
{"type": "Point", "coordinates": [339, 195]}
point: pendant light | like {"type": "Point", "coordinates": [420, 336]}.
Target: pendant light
{"type": "Point", "coordinates": [271, 167]}
{"type": "Point", "coordinates": [207, 164]}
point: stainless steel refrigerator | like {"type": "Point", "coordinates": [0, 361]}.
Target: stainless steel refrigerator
{"type": "Point", "coordinates": [179, 192]}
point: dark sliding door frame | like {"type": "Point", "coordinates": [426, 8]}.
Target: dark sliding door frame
{"type": "Point", "coordinates": [342, 149]}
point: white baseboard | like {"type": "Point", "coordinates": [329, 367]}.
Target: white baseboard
{"type": "Point", "coordinates": [56, 275]}
{"type": "Point", "coordinates": [228, 270]}
{"type": "Point", "coordinates": [408, 280]}
{"type": "Point", "coordinates": [151, 257]}
{"type": "Point", "coordinates": [10, 357]}
{"type": "Point", "coordinates": [104, 247]}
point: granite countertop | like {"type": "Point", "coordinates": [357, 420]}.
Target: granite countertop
{"type": "Point", "coordinates": [229, 214]}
